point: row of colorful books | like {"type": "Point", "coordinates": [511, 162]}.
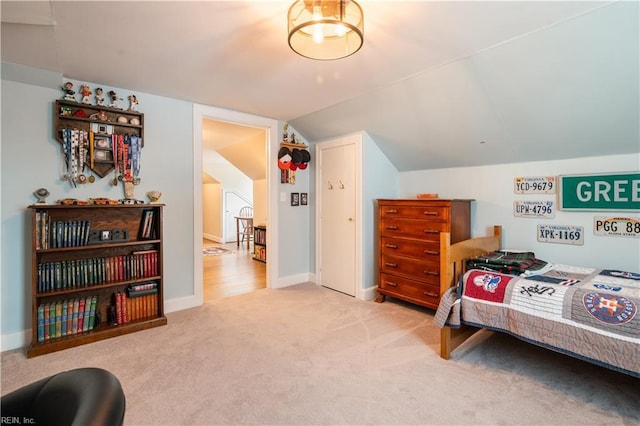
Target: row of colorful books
{"type": "Point", "coordinates": [139, 301]}
{"type": "Point", "coordinates": [66, 318]}
{"type": "Point", "coordinates": [70, 274]}
{"type": "Point", "coordinates": [60, 233]}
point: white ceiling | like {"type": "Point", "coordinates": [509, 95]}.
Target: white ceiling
{"type": "Point", "coordinates": [532, 80]}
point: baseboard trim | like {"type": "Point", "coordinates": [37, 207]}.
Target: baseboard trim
{"type": "Point", "coordinates": [181, 303]}
{"type": "Point", "coordinates": [292, 280]}
{"type": "Point", "coordinates": [214, 238]}
{"type": "Point", "coordinates": [17, 340]}
{"type": "Point", "coordinates": [369, 293]}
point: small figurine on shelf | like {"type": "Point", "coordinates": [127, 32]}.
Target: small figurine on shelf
{"type": "Point", "coordinates": [85, 91]}
{"type": "Point", "coordinates": [154, 196]}
{"type": "Point", "coordinates": [114, 99]}
{"type": "Point", "coordinates": [285, 135]}
{"type": "Point", "coordinates": [68, 91]}
{"type": "Point", "coordinates": [133, 103]}
{"type": "Point", "coordinates": [99, 96]}
{"type": "Point", "coordinates": [41, 194]}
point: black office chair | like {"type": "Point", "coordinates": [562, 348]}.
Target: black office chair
{"type": "Point", "coordinates": [80, 397]}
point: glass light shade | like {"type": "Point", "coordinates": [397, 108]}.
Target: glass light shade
{"type": "Point", "coordinates": [325, 29]}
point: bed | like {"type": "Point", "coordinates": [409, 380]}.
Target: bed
{"type": "Point", "coordinates": [590, 314]}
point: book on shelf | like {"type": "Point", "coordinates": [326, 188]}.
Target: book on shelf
{"type": "Point", "coordinates": [147, 228]}
{"type": "Point", "coordinates": [70, 306]}
{"type": "Point", "coordinates": [120, 301]}
{"type": "Point", "coordinates": [42, 230]}
{"type": "Point", "coordinates": [46, 321]}
{"type": "Point", "coordinates": [74, 316]}
{"type": "Point", "coordinates": [38, 231]}
{"type": "Point", "coordinates": [138, 290]}
{"type": "Point", "coordinates": [52, 320]}
{"type": "Point", "coordinates": [58, 326]}
{"type": "Point", "coordinates": [92, 312]}
{"type": "Point", "coordinates": [40, 323]}
{"type": "Point", "coordinates": [63, 320]}
{"type": "Point", "coordinates": [81, 309]}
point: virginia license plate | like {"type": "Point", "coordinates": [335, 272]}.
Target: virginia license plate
{"type": "Point", "coordinates": [534, 185]}
{"type": "Point", "coordinates": [562, 234]}
{"type": "Point", "coordinates": [538, 209]}
{"type": "Point", "coordinates": [616, 226]}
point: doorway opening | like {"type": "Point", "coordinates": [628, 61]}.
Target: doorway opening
{"type": "Point", "coordinates": [262, 194]}
{"type": "Point", "coordinates": [234, 164]}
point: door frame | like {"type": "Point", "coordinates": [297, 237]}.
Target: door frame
{"type": "Point", "coordinates": [351, 139]}
{"type": "Point", "coordinates": [201, 112]}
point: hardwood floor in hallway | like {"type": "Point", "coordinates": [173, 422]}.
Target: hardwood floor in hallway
{"type": "Point", "coordinates": [231, 274]}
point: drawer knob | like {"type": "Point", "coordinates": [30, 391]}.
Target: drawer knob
{"type": "Point", "coordinates": [434, 273]}
{"type": "Point", "coordinates": [391, 246]}
{"type": "Point", "coordinates": [392, 211]}
{"type": "Point", "coordinates": [392, 227]}
{"type": "Point", "coordinates": [431, 231]}
{"type": "Point", "coordinates": [432, 252]}
{"type": "Point", "coordinates": [431, 294]}
{"type": "Point", "coordinates": [428, 213]}
{"type": "Point", "coordinates": [391, 265]}
{"type": "Point", "coordinates": [391, 284]}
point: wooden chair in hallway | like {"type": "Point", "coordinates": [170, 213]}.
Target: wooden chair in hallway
{"type": "Point", "coordinates": [244, 226]}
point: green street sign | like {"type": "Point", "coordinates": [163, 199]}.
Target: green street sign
{"type": "Point", "coordinates": [612, 192]}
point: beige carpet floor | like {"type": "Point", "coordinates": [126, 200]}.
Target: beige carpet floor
{"type": "Point", "coordinates": [306, 355]}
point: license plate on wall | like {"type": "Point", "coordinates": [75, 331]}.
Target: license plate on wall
{"type": "Point", "coordinates": [616, 226]}
{"type": "Point", "coordinates": [534, 185]}
{"type": "Point", "coordinates": [537, 209]}
{"type": "Point", "coordinates": [562, 234]}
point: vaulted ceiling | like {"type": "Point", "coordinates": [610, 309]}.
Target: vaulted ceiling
{"type": "Point", "coordinates": [436, 84]}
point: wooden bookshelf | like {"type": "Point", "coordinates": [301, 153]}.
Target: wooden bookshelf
{"type": "Point", "coordinates": [102, 252]}
{"type": "Point", "coordinates": [260, 243]}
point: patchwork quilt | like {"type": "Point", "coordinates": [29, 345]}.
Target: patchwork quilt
{"type": "Point", "coordinates": [586, 313]}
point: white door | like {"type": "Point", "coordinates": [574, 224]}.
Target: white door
{"type": "Point", "coordinates": [337, 217]}
{"type": "Point", "coordinates": [232, 205]}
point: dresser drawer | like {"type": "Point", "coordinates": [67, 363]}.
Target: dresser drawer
{"type": "Point", "coordinates": [420, 270]}
{"type": "Point", "coordinates": [427, 250]}
{"type": "Point", "coordinates": [411, 290]}
{"type": "Point", "coordinates": [437, 213]}
{"type": "Point", "coordinates": [418, 229]}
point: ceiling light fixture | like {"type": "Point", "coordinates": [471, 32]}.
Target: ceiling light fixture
{"type": "Point", "coordinates": [325, 29]}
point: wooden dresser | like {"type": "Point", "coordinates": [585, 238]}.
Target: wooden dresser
{"type": "Point", "coordinates": [409, 245]}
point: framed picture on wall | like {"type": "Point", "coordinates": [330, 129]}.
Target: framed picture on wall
{"type": "Point", "coordinates": [303, 199]}
{"type": "Point", "coordinates": [295, 199]}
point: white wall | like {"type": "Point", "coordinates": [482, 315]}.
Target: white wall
{"type": "Point", "coordinates": [260, 192]}
{"type": "Point", "coordinates": [380, 180]}
{"type": "Point", "coordinates": [228, 175]}
{"type": "Point", "coordinates": [492, 188]}
{"type": "Point", "coordinates": [293, 224]}
{"type": "Point", "coordinates": [211, 211]}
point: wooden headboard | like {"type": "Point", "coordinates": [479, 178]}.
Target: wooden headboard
{"type": "Point", "coordinates": [452, 266]}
